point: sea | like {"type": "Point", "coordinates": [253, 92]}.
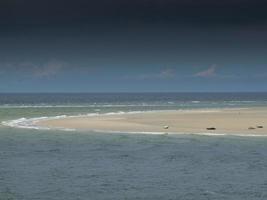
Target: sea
{"type": "Point", "coordinates": [47, 164]}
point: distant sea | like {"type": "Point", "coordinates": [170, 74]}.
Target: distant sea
{"type": "Point", "coordinates": [67, 165]}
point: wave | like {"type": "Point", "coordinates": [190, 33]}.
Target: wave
{"type": "Point", "coordinates": [31, 123]}
{"type": "Point", "coordinates": [180, 133]}
{"type": "Point", "coordinates": [137, 104]}
{"type": "Point", "coordinates": [85, 106]}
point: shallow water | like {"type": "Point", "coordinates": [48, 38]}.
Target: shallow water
{"type": "Point", "coordinates": [59, 165]}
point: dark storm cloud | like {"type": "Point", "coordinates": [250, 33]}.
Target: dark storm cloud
{"type": "Point", "coordinates": [69, 13]}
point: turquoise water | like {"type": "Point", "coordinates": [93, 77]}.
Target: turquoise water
{"type": "Point", "coordinates": [60, 165]}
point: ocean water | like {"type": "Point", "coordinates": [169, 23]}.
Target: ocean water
{"type": "Point", "coordinates": [67, 165]}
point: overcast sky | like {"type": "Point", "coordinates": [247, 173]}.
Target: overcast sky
{"type": "Point", "coordinates": [133, 46]}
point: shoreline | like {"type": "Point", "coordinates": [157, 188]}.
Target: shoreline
{"type": "Point", "coordinates": [226, 121]}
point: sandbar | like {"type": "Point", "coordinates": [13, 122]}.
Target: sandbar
{"type": "Point", "coordinates": [250, 121]}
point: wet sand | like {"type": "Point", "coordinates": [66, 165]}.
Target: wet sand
{"type": "Point", "coordinates": [225, 121]}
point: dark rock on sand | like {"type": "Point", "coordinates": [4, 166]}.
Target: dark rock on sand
{"type": "Point", "coordinates": [251, 128]}
{"type": "Point", "coordinates": [211, 128]}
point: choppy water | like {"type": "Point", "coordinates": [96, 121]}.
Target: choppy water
{"type": "Point", "coordinates": [59, 165]}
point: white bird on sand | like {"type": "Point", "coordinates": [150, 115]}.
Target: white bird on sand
{"type": "Point", "coordinates": [166, 127]}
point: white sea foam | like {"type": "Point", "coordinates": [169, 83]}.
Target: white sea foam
{"type": "Point", "coordinates": [86, 106]}
{"type": "Point", "coordinates": [129, 132]}
{"type": "Point", "coordinates": [31, 123]}
{"type": "Point", "coordinates": [179, 133]}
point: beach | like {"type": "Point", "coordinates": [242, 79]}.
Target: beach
{"type": "Point", "coordinates": [250, 121]}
